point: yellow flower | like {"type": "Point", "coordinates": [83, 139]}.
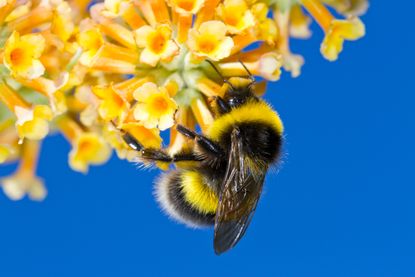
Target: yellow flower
{"type": "Point", "coordinates": [62, 23]}
{"type": "Point", "coordinates": [113, 104]}
{"type": "Point", "coordinates": [17, 186]}
{"type": "Point", "coordinates": [236, 15]}
{"type": "Point", "coordinates": [149, 138]}
{"type": "Point", "coordinates": [293, 63]}
{"type": "Point", "coordinates": [340, 30]}
{"type": "Point", "coordinates": [18, 11]}
{"type": "Point", "coordinates": [5, 152]}
{"type": "Point", "coordinates": [88, 149]}
{"type": "Point", "coordinates": [50, 89]}
{"type": "Point", "coordinates": [91, 41]}
{"type": "Point", "coordinates": [157, 43]}
{"type": "Point", "coordinates": [115, 8]}
{"type": "Point", "coordinates": [99, 66]}
{"type": "Point", "coordinates": [349, 7]}
{"type": "Point", "coordinates": [3, 3]}
{"type": "Point", "coordinates": [24, 180]}
{"type": "Point", "coordinates": [187, 6]}
{"type": "Point", "coordinates": [336, 30]}
{"type": "Point", "coordinates": [32, 120]}
{"type": "Point", "coordinates": [154, 107]}
{"type": "Point", "coordinates": [87, 103]}
{"type": "Point", "coordinates": [32, 123]}
{"type": "Point", "coordinates": [210, 41]}
{"type": "Point", "coordinates": [9, 149]}
{"type": "Point", "coordinates": [22, 53]}
{"type": "Point", "coordinates": [267, 65]}
{"type": "Point", "coordinates": [299, 27]}
{"type": "Point", "coordinates": [266, 28]}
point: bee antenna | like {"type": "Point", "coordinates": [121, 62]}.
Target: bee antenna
{"type": "Point", "coordinates": [220, 74]}
{"type": "Point", "coordinates": [249, 72]}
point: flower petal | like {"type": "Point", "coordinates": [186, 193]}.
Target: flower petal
{"type": "Point", "coordinates": [35, 70]}
{"type": "Point", "coordinates": [37, 43]}
{"type": "Point", "coordinates": [149, 57]}
{"type": "Point", "coordinates": [142, 93]}
{"type": "Point", "coordinates": [224, 49]}
{"type": "Point", "coordinates": [166, 122]}
{"type": "Point", "coordinates": [141, 35]}
{"type": "Point", "coordinates": [214, 27]}
{"type": "Point", "coordinates": [151, 123]}
{"type": "Point", "coordinates": [171, 49]}
{"type": "Point", "coordinates": [140, 112]}
{"type": "Point", "coordinates": [13, 188]}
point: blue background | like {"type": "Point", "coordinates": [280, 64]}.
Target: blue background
{"type": "Point", "coordinates": [341, 205]}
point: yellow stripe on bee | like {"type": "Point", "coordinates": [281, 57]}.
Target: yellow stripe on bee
{"type": "Point", "coordinates": [257, 111]}
{"type": "Point", "coordinates": [199, 195]}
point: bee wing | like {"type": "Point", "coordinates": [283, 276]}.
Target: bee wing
{"type": "Point", "coordinates": [238, 199]}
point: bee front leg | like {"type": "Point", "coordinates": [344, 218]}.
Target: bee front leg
{"type": "Point", "coordinates": [156, 155]}
{"type": "Point", "coordinates": [207, 145]}
{"type": "Point", "coordinates": [223, 107]}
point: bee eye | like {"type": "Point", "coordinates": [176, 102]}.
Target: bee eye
{"type": "Point", "coordinates": [234, 102]}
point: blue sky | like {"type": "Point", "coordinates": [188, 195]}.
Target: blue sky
{"type": "Point", "coordinates": [342, 203]}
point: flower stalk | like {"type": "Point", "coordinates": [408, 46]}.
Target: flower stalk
{"type": "Point", "coordinates": [24, 180]}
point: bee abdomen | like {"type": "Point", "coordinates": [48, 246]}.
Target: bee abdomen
{"type": "Point", "coordinates": [185, 198]}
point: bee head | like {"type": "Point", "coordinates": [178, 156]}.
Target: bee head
{"type": "Point", "coordinates": [239, 91]}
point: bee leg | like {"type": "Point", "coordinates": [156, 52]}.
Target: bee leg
{"type": "Point", "coordinates": [209, 146]}
{"type": "Point", "coordinates": [151, 154]}
{"type": "Point", "coordinates": [157, 155]}
{"type": "Point", "coordinates": [179, 157]}
{"type": "Point", "coordinates": [146, 153]}
{"type": "Point", "coordinates": [186, 132]}
{"type": "Point", "coordinates": [132, 142]}
{"type": "Point", "coordinates": [203, 142]}
{"type": "Point", "coordinates": [223, 107]}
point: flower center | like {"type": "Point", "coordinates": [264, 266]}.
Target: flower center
{"type": "Point", "coordinates": [85, 146]}
{"type": "Point", "coordinates": [159, 104]}
{"type": "Point", "coordinates": [158, 43]}
{"type": "Point", "coordinates": [207, 44]}
{"type": "Point", "coordinates": [117, 100]}
{"type": "Point", "coordinates": [186, 5]}
{"type": "Point", "coordinates": [232, 19]}
{"type": "Point", "coordinates": [17, 56]}
{"type": "Point", "coordinates": [96, 43]}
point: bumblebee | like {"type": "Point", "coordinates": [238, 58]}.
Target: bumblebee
{"type": "Point", "coordinates": [223, 183]}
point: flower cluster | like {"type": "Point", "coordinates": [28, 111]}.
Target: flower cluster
{"type": "Point", "coordinates": [90, 70]}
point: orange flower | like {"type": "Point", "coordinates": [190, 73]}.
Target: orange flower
{"type": "Point", "coordinates": [339, 31]}
{"type": "Point", "coordinates": [154, 107]}
{"type": "Point", "coordinates": [22, 53]}
{"type": "Point", "coordinates": [157, 43]}
{"type": "Point", "coordinates": [187, 6]}
{"type": "Point", "coordinates": [210, 41]}
{"type": "Point", "coordinates": [88, 149]}
{"type": "Point", "coordinates": [113, 104]}
{"type": "Point", "coordinates": [236, 15]}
